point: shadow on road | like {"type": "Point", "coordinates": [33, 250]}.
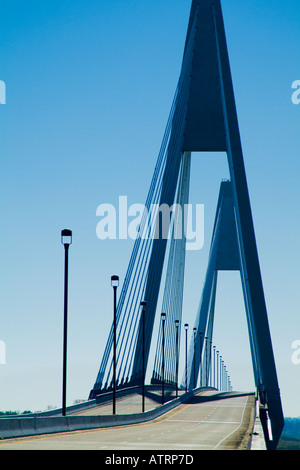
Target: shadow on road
{"type": "Point", "coordinates": [216, 396]}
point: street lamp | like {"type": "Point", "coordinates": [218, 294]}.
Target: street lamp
{"type": "Point", "coordinates": [201, 335]}
{"type": "Point", "coordinates": [186, 327]}
{"type": "Point", "coordinates": [115, 284]}
{"type": "Point", "coordinates": [143, 305]}
{"type": "Point", "coordinates": [206, 361]}
{"type": "Point", "coordinates": [222, 375]}
{"type": "Point", "coordinates": [177, 355]}
{"type": "Point", "coordinates": [210, 363]}
{"type": "Point", "coordinates": [214, 384]}
{"type": "Point", "coordinates": [218, 370]}
{"type": "Point", "coordinates": [66, 240]}
{"type": "Point", "coordinates": [163, 319]}
{"type": "Point", "coordinates": [194, 330]}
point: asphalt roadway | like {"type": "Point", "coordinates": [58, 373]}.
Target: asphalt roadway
{"type": "Point", "coordinates": [209, 421]}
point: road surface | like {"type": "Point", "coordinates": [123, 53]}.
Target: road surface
{"type": "Point", "coordinates": [222, 421]}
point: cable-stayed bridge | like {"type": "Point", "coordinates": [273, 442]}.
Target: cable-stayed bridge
{"type": "Point", "coordinates": [198, 410]}
{"type": "Point", "coordinates": [203, 118]}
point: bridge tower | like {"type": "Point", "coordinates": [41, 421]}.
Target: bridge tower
{"type": "Point", "coordinates": [203, 118]}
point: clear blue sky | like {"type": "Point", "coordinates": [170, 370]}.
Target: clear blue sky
{"type": "Point", "coordinates": [89, 89]}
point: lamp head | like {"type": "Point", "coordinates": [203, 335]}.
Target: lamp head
{"type": "Point", "coordinates": [115, 281]}
{"type": "Point", "coordinates": [66, 237]}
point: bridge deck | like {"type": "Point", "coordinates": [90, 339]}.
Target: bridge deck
{"type": "Point", "coordinates": [209, 421]}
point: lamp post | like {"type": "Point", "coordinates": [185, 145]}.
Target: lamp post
{"type": "Point", "coordinates": [186, 327]}
{"type": "Point", "coordinates": [115, 284]}
{"type": "Point", "coordinates": [177, 355]}
{"type": "Point", "coordinates": [143, 305]}
{"type": "Point", "coordinates": [210, 364]}
{"type": "Point", "coordinates": [163, 319]}
{"type": "Point", "coordinates": [206, 361]}
{"type": "Point", "coordinates": [223, 383]}
{"type": "Point", "coordinates": [214, 384]}
{"type": "Point", "coordinates": [201, 336]}
{"type": "Point", "coordinates": [220, 373]}
{"type": "Point", "coordinates": [218, 370]}
{"type": "Point", "coordinates": [194, 330]}
{"type": "Point", "coordinates": [66, 240]}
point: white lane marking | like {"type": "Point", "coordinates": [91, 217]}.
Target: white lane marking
{"type": "Point", "coordinates": [221, 442]}
{"type": "Point", "coordinates": [203, 421]}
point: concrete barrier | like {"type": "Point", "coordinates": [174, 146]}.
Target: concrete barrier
{"type": "Point", "coordinates": [38, 424]}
